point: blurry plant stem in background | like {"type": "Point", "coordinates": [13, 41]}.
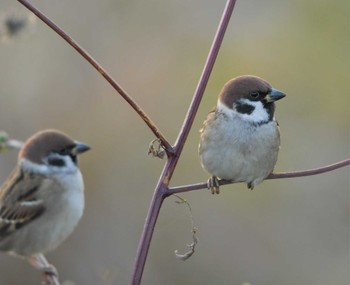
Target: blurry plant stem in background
{"type": "Point", "coordinates": [162, 190]}
{"type": "Point", "coordinates": [6, 143]}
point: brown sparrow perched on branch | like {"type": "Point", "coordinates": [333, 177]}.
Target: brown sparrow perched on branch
{"type": "Point", "coordinates": [240, 138]}
{"type": "Point", "coordinates": [43, 199]}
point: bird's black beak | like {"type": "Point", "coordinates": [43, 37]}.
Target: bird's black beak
{"type": "Point", "coordinates": [80, 148]}
{"type": "Point", "coordinates": [274, 95]}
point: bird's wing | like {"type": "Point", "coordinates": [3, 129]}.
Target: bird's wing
{"type": "Point", "coordinates": [213, 110]}
{"type": "Point", "coordinates": [211, 115]}
{"type": "Point", "coordinates": [19, 201]}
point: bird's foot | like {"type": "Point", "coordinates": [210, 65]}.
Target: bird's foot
{"type": "Point", "coordinates": [49, 270]}
{"type": "Point", "coordinates": [43, 266]}
{"type": "Point", "coordinates": [214, 185]}
{"type": "Point", "coordinates": [250, 185]}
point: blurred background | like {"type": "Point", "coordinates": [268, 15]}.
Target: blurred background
{"type": "Point", "coordinates": [290, 231]}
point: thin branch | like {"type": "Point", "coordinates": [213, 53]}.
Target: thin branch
{"type": "Point", "coordinates": [292, 174]}
{"type": "Point", "coordinates": [167, 146]}
{"type": "Point", "coordinates": [161, 191]}
{"type": "Point", "coordinates": [147, 233]}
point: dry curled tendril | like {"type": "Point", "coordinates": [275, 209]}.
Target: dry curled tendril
{"type": "Point", "coordinates": [156, 149]}
{"type": "Point", "coordinates": [191, 246]}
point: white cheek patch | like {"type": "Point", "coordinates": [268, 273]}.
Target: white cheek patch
{"type": "Point", "coordinates": [225, 110]}
{"type": "Point", "coordinates": [258, 115]}
{"type": "Point", "coordinates": [45, 169]}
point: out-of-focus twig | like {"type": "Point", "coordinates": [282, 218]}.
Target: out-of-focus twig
{"type": "Point", "coordinates": [7, 144]}
{"type": "Point", "coordinates": [14, 23]}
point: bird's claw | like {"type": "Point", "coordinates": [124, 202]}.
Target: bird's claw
{"type": "Point", "coordinates": [250, 185]}
{"type": "Point", "coordinates": [214, 185]}
{"type": "Point", "coordinates": [49, 270]}
{"type": "Point", "coordinates": [40, 263]}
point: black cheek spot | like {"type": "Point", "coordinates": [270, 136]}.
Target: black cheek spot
{"type": "Point", "coordinates": [244, 108]}
{"type": "Point", "coordinates": [55, 161]}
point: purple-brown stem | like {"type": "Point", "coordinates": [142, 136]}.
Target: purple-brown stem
{"type": "Point", "coordinates": [214, 50]}
{"type": "Point", "coordinates": [292, 174]}
{"type": "Point", "coordinates": [148, 228]}
{"type": "Point", "coordinates": [167, 146]}
{"type": "Point", "coordinates": [162, 191]}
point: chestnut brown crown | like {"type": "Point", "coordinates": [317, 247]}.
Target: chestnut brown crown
{"type": "Point", "coordinates": [43, 143]}
{"type": "Point", "coordinates": [243, 87]}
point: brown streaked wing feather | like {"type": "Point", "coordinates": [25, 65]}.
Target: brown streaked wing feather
{"type": "Point", "coordinates": [213, 110]}
{"type": "Point", "coordinates": [19, 203]}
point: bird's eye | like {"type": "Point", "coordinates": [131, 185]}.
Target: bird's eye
{"type": "Point", "coordinates": [64, 151]}
{"type": "Point", "coordinates": [254, 94]}
{"type": "Point", "coordinates": [67, 150]}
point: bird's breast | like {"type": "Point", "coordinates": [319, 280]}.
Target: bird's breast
{"type": "Point", "coordinates": [232, 149]}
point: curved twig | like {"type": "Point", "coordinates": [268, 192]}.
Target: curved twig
{"type": "Point", "coordinates": [292, 174]}
{"type": "Point", "coordinates": [167, 146]}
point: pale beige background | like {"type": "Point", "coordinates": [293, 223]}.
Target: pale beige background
{"type": "Point", "coordinates": [285, 232]}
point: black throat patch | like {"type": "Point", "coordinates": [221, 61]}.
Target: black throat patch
{"type": "Point", "coordinates": [270, 108]}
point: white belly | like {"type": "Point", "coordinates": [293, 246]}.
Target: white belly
{"type": "Point", "coordinates": [245, 154]}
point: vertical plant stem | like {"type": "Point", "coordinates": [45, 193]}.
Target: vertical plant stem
{"type": "Point", "coordinates": [162, 191]}
{"type": "Point", "coordinates": [148, 229]}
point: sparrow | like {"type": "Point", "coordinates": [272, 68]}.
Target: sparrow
{"type": "Point", "coordinates": [42, 200]}
{"type": "Point", "coordinates": [240, 137]}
